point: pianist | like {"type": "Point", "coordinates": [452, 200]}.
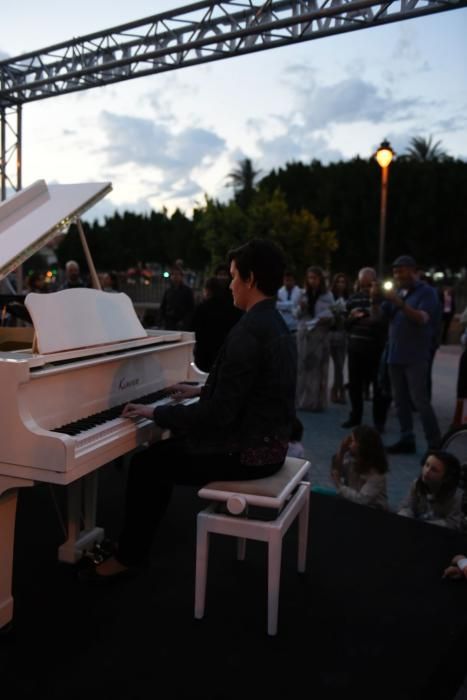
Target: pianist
{"type": "Point", "coordinates": [239, 428]}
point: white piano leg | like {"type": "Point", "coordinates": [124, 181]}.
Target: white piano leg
{"type": "Point", "coordinates": [8, 501]}
{"type": "Point", "coordinates": [82, 506]}
{"type": "Point", "coordinates": [7, 528]}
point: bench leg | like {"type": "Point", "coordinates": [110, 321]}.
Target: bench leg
{"type": "Point", "coordinates": [241, 548]}
{"type": "Point", "coordinates": [303, 533]}
{"type": "Point", "coordinates": [274, 579]}
{"type": "Point", "coordinates": [241, 541]}
{"type": "Point", "coordinates": [202, 555]}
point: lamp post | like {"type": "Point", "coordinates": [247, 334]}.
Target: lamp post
{"type": "Point", "coordinates": [384, 156]}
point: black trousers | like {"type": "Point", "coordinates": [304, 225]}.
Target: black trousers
{"type": "Point", "coordinates": [152, 475]}
{"type": "Point", "coordinates": [461, 386]}
{"type": "Point", "coordinates": [363, 369]}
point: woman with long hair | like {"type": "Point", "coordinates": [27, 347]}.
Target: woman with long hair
{"type": "Point", "coordinates": [340, 289]}
{"type": "Point", "coordinates": [359, 468]}
{"type": "Point", "coordinates": [315, 317]}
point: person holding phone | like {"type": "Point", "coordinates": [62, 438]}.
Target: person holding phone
{"type": "Point", "coordinates": [412, 309]}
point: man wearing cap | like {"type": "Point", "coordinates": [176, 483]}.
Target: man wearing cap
{"type": "Point", "coordinates": [412, 308]}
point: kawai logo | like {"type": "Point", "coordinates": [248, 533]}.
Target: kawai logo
{"type": "Point", "coordinates": [127, 383]}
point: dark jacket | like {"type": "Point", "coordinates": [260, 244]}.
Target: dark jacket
{"type": "Point", "coordinates": [177, 307]}
{"type": "Point", "coordinates": [248, 400]}
{"type": "Point", "coordinates": [366, 334]}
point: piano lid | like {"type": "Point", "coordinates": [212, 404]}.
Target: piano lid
{"type": "Point", "coordinates": [33, 216]}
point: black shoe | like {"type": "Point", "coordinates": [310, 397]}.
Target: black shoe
{"type": "Point", "coordinates": [407, 447]}
{"type": "Point", "coordinates": [101, 551]}
{"type": "Point", "coordinates": [349, 423]}
{"type": "Point", "coordinates": [7, 632]}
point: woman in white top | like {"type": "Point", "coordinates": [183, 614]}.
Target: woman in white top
{"type": "Point", "coordinates": [315, 318]}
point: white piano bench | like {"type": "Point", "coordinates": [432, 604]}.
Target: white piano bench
{"type": "Point", "coordinates": [286, 492]}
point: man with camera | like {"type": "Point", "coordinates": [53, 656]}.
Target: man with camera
{"type": "Point", "coordinates": [412, 307]}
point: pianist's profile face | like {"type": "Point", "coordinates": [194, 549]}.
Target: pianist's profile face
{"type": "Point", "coordinates": [257, 271]}
{"type": "Point", "coordinates": [241, 289]}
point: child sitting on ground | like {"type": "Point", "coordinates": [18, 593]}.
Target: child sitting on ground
{"type": "Point", "coordinates": [435, 497]}
{"type": "Point", "coordinates": [359, 468]}
{"type": "Point", "coordinates": [457, 568]}
{"type": "Point", "coordinates": [296, 448]}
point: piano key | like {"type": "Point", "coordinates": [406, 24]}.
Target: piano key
{"type": "Point", "coordinates": [110, 418]}
{"type": "Point", "coordinates": [112, 429]}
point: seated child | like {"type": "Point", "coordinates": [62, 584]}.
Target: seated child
{"type": "Point", "coordinates": [457, 568]}
{"type": "Point", "coordinates": [296, 448]}
{"type": "Point", "coordinates": [435, 496]}
{"type": "Point", "coordinates": [359, 468]}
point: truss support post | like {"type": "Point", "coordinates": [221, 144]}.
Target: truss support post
{"type": "Point", "coordinates": [10, 148]}
{"type": "Point", "coordinates": [3, 152]}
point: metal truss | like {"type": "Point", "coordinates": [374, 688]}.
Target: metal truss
{"type": "Point", "coordinates": [197, 33]}
{"type": "Point", "coordinates": [10, 148]}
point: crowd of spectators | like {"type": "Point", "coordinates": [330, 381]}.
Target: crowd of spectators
{"type": "Point", "coordinates": [383, 337]}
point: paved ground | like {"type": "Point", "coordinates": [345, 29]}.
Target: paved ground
{"type": "Point", "coordinates": [323, 432]}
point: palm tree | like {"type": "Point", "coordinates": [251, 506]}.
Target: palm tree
{"type": "Point", "coordinates": [424, 150]}
{"type": "Point", "coordinates": [242, 179]}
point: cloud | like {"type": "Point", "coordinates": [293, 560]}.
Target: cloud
{"type": "Point", "coordinates": [456, 123]}
{"type": "Point", "coordinates": [296, 145]}
{"type": "Point", "coordinates": [171, 90]}
{"type": "Point", "coordinates": [106, 208]}
{"type": "Point", "coordinates": [186, 188]}
{"type": "Point", "coordinates": [134, 140]}
{"type": "Point", "coordinates": [171, 165]}
{"type": "Point", "coordinates": [351, 100]}
{"type": "Point", "coordinates": [320, 111]}
{"type": "Point", "coordinates": [192, 146]}
{"type": "Point", "coordinates": [148, 143]}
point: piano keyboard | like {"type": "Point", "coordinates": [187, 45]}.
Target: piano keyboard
{"type": "Point", "coordinates": [109, 414]}
{"type": "Point", "coordinates": [111, 419]}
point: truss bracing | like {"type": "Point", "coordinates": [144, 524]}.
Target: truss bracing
{"type": "Point", "coordinates": [204, 31]}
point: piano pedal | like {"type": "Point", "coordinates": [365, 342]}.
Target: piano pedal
{"type": "Point", "coordinates": [100, 551]}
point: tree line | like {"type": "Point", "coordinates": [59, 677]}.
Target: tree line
{"type": "Point", "coordinates": [324, 215]}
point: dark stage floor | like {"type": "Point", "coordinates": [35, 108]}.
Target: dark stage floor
{"type": "Point", "coordinates": [370, 617]}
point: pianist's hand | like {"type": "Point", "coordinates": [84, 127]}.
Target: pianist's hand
{"type": "Point", "coordinates": [135, 410]}
{"type": "Point", "coordinates": [184, 391]}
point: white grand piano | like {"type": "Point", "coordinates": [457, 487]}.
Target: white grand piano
{"type": "Point", "coordinates": [64, 381]}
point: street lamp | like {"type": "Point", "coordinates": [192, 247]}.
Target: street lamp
{"type": "Point", "coordinates": [384, 156]}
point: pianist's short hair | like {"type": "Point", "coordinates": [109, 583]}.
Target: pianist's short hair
{"type": "Point", "coordinates": [264, 259]}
